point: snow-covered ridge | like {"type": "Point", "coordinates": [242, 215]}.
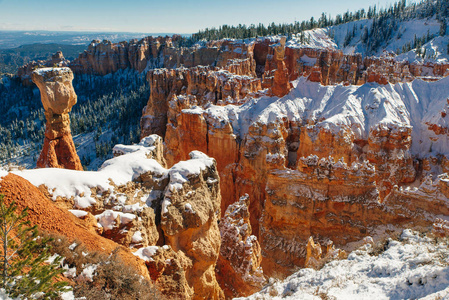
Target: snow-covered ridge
{"type": "Point", "coordinates": [180, 173]}
{"type": "Point", "coordinates": [413, 105]}
{"type": "Point", "coordinates": [78, 184]}
{"type": "Point", "coordinates": [114, 172]}
{"type": "Point", "coordinates": [44, 71]}
{"type": "Point", "coordinates": [413, 267]}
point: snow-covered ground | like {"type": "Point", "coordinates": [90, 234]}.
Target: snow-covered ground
{"type": "Point", "coordinates": [415, 266]}
{"type": "Point", "coordinates": [78, 184]}
{"type": "Point", "coordinates": [117, 171]}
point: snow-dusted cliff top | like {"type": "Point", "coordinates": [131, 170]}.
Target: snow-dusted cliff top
{"type": "Point", "coordinates": [360, 108]}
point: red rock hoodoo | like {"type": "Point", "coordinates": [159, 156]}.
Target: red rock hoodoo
{"type": "Point", "coordinates": [58, 97]}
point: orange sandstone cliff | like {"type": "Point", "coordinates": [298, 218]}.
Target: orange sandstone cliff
{"type": "Point", "coordinates": [166, 217]}
{"type": "Point", "coordinates": [332, 162]}
{"type": "Point", "coordinates": [329, 147]}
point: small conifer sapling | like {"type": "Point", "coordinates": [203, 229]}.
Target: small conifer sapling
{"type": "Point", "coordinates": [25, 268]}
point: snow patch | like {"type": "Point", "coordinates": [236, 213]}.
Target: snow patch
{"type": "Point", "coordinates": [188, 208]}
{"type": "Point", "coordinates": [137, 237]}
{"type": "Point", "coordinates": [88, 272]}
{"type": "Point", "coordinates": [358, 109]}
{"type": "Point", "coordinates": [110, 219]}
{"type": "Point", "coordinates": [146, 253]}
{"type": "Point", "coordinates": [180, 173]}
{"type": "Point", "coordinates": [78, 213]}
{"type": "Point", "coordinates": [3, 173]}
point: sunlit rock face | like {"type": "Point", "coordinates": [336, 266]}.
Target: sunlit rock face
{"type": "Point", "coordinates": [198, 86]}
{"type": "Point", "coordinates": [238, 268]}
{"type": "Point", "coordinates": [328, 161]}
{"type": "Point", "coordinates": [104, 57]}
{"type": "Point", "coordinates": [327, 145]}
{"type": "Point", "coordinates": [58, 97]}
{"type": "Point", "coordinates": [167, 217]}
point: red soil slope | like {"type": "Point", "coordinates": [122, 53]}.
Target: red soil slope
{"type": "Point", "coordinates": [49, 217]}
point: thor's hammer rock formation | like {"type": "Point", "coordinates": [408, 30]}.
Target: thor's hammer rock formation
{"type": "Point", "coordinates": [58, 97]}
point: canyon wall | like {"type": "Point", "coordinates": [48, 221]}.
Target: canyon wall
{"type": "Point", "coordinates": [328, 66]}
{"type": "Point", "coordinates": [332, 162]}
{"type": "Point", "coordinates": [322, 160]}
{"type": "Point", "coordinates": [103, 57]}
{"type": "Point", "coordinates": [195, 86]}
{"type": "Point", "coordinates": [345, 150]}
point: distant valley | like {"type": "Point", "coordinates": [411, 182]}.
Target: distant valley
{"type": "Point", "coordinates": [21, 47]}
{"type": "Point", "coordinates": [13, 39]}
{"type": "Point", "coordinates": [12, 59]}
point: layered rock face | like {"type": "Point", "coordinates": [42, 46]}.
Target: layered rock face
{"type": "Point", "coordinates": [103, 57]}
{"type": "Point", "coordinates": [195, 86]}
{"type": "Point", "coordinates": [327, 200]}
{"type": "Point", "coordinates": [324, 161]}
{"type": "Point", "coordinates": [187, 208]}
{"type": "Point", "coordinates": [189, 220]}
{"type": "Point", "coordinates": [329, 66]}
{"type": "Point", "coordinates": [229, 76]}
{"type": "Point", "coordinates": [238, 267]}
{"type": "Point", "coordinates": [58, 97]}
{"type": "Point", "coordinates": [331, 162]}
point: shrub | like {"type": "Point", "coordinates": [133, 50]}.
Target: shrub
{"type": "Point", "coordinates": [24, 268]}
{"type": "Point", "coordinates": [113, 279]}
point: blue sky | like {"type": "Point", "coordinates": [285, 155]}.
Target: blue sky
{"type": "Point", "coordinates": [169, 16]}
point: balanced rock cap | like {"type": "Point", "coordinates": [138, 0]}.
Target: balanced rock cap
{"type": "Point", "coordinates": [55, 85]}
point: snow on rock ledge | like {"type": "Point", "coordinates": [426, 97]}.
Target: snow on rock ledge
{"type": "Point", "coordinates": [79, 184]}
{"type": "Point", "coordinates": [3, 173]}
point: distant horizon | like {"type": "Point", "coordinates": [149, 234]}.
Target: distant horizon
{"type": "Point", "coordinates": [10, 39]}
{"type": "Point", "coordinates": [89, 31]}
{"type": "Point", "coordinates": [170, 16]}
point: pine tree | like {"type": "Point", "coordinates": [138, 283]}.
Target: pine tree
{"type": "Point", "coordinates": [443, 27]}
{"type": "Point", "coordinates": [23, 268]}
